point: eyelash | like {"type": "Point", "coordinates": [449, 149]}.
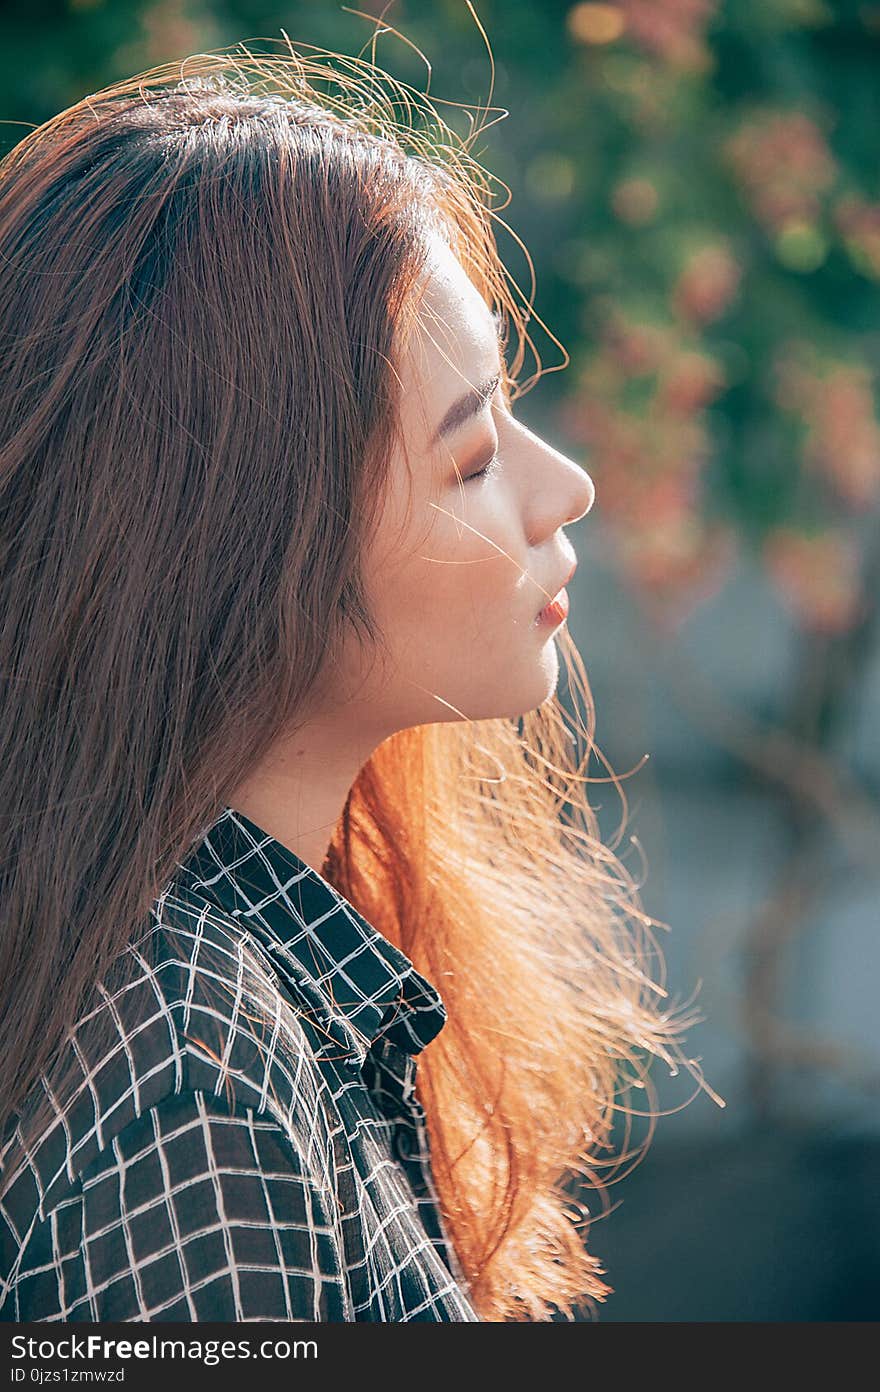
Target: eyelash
{"type": "Point", "coordinates": [487, 470]}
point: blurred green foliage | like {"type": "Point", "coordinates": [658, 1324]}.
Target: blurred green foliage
{"type": "Point", "coordinates": [697, 186]}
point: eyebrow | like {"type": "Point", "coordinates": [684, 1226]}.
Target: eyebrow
{"type": "Point", "coordinates": [473, 401]}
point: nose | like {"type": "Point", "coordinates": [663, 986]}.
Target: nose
{"type": "Point", "coordinates": [576, 489]}
{"type": "Point", "coordinates": [588, 494]}
{"type": "Point", "coordinates": [561, 492]}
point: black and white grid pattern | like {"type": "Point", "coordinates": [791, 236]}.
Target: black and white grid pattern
{"type": "Point", "coordinates": [213, 1166]}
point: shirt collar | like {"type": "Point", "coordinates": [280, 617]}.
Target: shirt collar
{"type": "Point", "coordinates": [365, 986]}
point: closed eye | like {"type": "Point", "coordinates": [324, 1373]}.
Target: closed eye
{"type": "Point", "coordinates": [488, 469]}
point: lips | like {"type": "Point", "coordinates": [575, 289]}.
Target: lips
{"type": "Point", "coordinates": [556, 612]}
{"type": "Point", "coordinates": [558, 592]}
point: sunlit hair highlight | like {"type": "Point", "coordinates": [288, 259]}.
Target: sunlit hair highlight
{"type": "Point", "coordinates": [207, 278]}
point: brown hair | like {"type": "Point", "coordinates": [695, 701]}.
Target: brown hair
{"type": "Point", "coordinates": [206, 275]}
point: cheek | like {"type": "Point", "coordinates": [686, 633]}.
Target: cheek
{"type": "Point", "coordinates": [456, 609]}
{"type": "Point", "coordinates": [461, 584]}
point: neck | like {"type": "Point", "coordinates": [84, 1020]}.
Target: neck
{"type": "Point", "coordinates": [298, 791]}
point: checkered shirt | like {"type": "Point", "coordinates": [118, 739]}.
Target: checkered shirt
{"type": "Point", "coordinates": [251, 1147]}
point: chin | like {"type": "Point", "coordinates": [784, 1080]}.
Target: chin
{"type": "Point", "coordinates": [521, 697]}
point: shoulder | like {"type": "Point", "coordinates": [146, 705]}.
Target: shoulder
{"type": "Point", "coordinates": [192, 1005]}
{"type": "Point", "coordinates": [199, 1209]}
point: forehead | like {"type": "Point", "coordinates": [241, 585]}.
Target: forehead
{"type": "Point", "coordinates": [452, 346]}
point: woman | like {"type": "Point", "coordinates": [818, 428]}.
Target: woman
{"type": "Point", "coordinates": [287, 794]}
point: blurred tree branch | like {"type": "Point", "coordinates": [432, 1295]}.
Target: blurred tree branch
{"type": "Point", "coordinates": [817, 790]}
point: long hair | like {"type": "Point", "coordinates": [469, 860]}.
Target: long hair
{"type": "Point", "coordinates": [207, 275]}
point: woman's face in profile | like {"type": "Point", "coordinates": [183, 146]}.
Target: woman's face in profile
{"type": "Point", "coordinates": [460, 567]}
